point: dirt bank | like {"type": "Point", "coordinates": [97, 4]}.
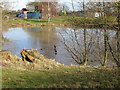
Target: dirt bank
{"type": "Point", "coordinates": [39, 62]}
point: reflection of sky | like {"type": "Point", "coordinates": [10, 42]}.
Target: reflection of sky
{"type": "Point", "coordinates": [19, 40]}
{"type": "Point", "coordinates": [38, 38]}
{"type": "Point", "coordinates": [45, 39]}
{"type": "Point", "coordinates": [16, 32]}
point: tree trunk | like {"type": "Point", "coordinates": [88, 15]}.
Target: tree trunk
{"type": "Point", "coordinates": [105, 46]}
{"type": "Point", "coordinates": [85, 49]}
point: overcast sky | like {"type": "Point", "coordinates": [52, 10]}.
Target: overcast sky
{"type": "Point", "coordinates": [19, 4]}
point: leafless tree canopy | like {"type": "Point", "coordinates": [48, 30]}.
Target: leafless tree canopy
{"type": "Point", "coordinates": [5, 5]}
{"type": "Point", "coordinates": [96, 47]}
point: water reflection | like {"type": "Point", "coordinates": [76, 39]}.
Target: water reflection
{"type": "Point", "coordinates": [48, 41]}
{"type": "Point", "coordinates": [44, 39]}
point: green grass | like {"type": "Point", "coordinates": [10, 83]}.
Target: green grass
{"type": "Point", "coordinates": [91, 20]}
{"type": "Point", "coordinates": [66, 76]}
{"type": "Point", "coordinates": [64, 20]}
{"type": "Point", "coordinates": [38, 21]}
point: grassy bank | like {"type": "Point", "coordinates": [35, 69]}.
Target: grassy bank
{"type": "Point", "coordinates": [47, 73]}
{"type": "Point", "coordinates": [66, 21]}
{"type": "Point", "coordinates": [65, 76]}
{"type": "Point", "coordinates": [93, 22]}
{"type": "Point", "coordinates": [37, 22]}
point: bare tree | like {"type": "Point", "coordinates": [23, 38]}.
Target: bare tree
{"type": "Point", "coordinates": [72, 6]}
{"type": "Point", "coordinates": [63, 6]}
{"type": "Point", "coordinates": [48, 9]}
{"type": "Point", "coordinates": [99, 45]}
{"type": "Point", "coordinates": [78, 53]}
{"type": "Point", "coordinates": [6, 5]}
{"type": "Point", "coordinates": [116, 52]}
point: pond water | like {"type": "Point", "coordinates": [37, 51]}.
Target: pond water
{"type": "Point", "coordinates": [45, 39]}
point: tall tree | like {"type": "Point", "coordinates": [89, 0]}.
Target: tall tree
{"type": "Point", "coordinates": [48, 9]}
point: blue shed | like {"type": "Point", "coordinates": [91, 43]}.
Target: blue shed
{"type": "Point", "coordinates": [34, 15]}
{"type": "Point", "coordinates": [22, 15]}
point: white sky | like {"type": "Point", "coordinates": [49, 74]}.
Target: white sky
{"type": "Point", "coordinates": [19, 4]}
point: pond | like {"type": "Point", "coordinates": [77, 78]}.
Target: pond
{"type": "Point", "coordinates": [49, 41]}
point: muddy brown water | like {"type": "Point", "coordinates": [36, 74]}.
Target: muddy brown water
{"type": "Point", "coordinates": [48, 41]}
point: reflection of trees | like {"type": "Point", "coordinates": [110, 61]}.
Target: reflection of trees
{"type": "Point", "coordinates": [3, 28]}
{"type": "Point", "coordinates": [99, 48]}
{"type": "Point", "coordinates": [45, 34]}
{"type": "Point", "coordinates": [75, 41]}
{"type": "Point", "coordinates": [44, 37]}
{"type": "Point", "coordinates": [115, 52]}
{"type": "Point", "coordinates": [78, 43]}
{"type": "Point", "coordinates": [114, 47]}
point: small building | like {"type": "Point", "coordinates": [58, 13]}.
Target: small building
{"type": "Point", "coordinates": [46, 9]}
{"type": "Point", "coordinates": [34, 15]}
